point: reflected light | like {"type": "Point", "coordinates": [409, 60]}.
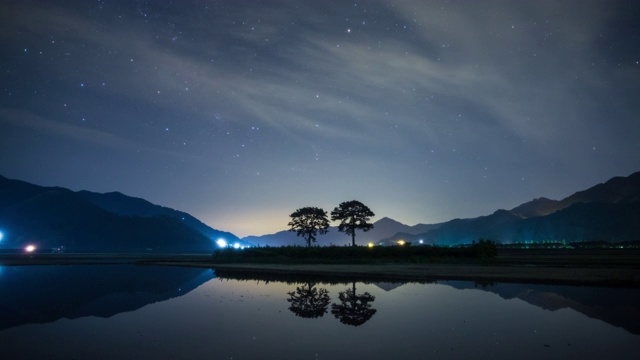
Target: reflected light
{"type": "Point", "coordinates": [30, 248]}
{"type": "Point", "coordinates": [222, 243]}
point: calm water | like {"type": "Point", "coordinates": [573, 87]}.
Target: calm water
{"type": "Point", "coordinates": [129, 312]}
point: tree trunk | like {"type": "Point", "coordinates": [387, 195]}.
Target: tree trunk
{"type": "Point", "coordinates": [353, 234]}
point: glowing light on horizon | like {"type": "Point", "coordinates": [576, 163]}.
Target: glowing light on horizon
{"type": "Point", "coordinates": [30, 248]}
{"type": "Point", "coordinates": [236, 245]}
{"type": "Point", "coordinates": [421, 241]}
{"type": "Point", "coordinates": [222, 243]}
{"type": "Point", "coordinates": [370, 245]}
{"type": "Point", "coordinates": [1, 235]}
{"type": "Point", "coordinates": [401, 242]}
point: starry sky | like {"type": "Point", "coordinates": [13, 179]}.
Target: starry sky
{"type": "Point", "coordinates": [239, 112]}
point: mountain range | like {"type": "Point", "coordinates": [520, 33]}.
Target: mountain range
{"type": "Point", "coordinates": [605, 212]}
{"type": "Point", "coordinates": [54, 217]}
{"type": "Point", "coordinates": [382, 228]}
{"type": "Point", "coordinates": [83, 221]}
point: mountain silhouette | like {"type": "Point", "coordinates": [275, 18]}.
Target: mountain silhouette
{"type": "Point", "coordinates": [54, 217]}
{"type": "Point", "coordinates": [618, 190]}
{"type": "Point", "coordinates": [382, 228]}
{"type": "Point", "coordinates": [124, 205]}
{"type": "Point", "coordinates": [606, 212]}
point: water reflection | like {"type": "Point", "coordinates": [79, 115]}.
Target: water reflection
{"type": "Point", "coordinates": [353, 309]}
{"type": "Point", "coordinates": [616, 306]}
{"type": "Point", "coordinates": [41, 294]}
{"type": "Point", "coordinates": [308, 301]}
{"type": "Point", "coordinates": [248, 317]}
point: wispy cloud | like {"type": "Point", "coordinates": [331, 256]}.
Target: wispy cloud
{"type": "Point", "coordinates": [26, 119]}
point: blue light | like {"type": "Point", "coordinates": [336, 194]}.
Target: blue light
{"type": "Point", "coordinates": [222, 243]}
{"type": "Point", "coordinates": [1, 235]}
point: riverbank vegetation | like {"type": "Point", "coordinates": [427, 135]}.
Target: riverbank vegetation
{"type": "Point", "coordinates": [482, 250]}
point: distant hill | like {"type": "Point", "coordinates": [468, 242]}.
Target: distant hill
{"type": "Point", "coordinates": [124, 205]}
{"type": "Point", "coordinates": [537, 207]}
{"type": "Point", "coordinates": [618, 190]}
{"type": "Point", "coordinates": [593, 221]}
{"type": "Point", "coordinates": [289, 238]}
{"type": "Point", "coordinates": [606, 212]}
{"type": "Point", "coordinates": [461, 231]}
{"type": "Point", "coordinates": [382, 228]}
{"type": "Point", "coordinates": [51, 217]}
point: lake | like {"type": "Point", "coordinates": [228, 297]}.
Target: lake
{"type": "Point", "coordinates": [145, 312]}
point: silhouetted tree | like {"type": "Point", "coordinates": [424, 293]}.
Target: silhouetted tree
{"type": "Point", "coordinates": [308, 222]}
{"type": "Point", "coordinates": [353, 215]}
{"type": "Point", "coordinates": [309, 301]}
{"type": "Point", "coordinates": [353, 309]}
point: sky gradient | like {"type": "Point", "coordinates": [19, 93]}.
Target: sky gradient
{"type": "Point", "coordinates": [239, 112]}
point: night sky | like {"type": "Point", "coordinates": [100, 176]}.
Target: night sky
{"type": "Point", "coordinates": [239, 112]}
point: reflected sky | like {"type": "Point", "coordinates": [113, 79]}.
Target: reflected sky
{"type": "Point", "coordinates": [250, 319]}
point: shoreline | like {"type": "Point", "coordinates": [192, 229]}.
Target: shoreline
{"type": "Point", "coordinates": [610, 277]}
{"type": "Point", "coordinates": [615, 272]}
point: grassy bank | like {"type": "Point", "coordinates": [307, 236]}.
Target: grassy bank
{"type": "Point", "coordinates": [481, 251]}
{"type": "Point", "coordinates": [595, 267]}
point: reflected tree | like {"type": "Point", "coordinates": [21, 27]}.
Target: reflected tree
{"type": "Point", "coordinates": [308, 301]}
{"type": "Point", "coordinates": [353, 309]}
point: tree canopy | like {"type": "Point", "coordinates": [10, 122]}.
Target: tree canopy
{"type": "Point", "coordinates": [308, 222]}
{"type": "Point", "coordinates": [353, 215]}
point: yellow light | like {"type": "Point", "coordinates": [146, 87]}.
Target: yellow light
{"type": "Point", "coordinates": [370, 245]}
{"type": "Point", "coordinates": [401, 242]}
{"type": "Point", "coordinates": [30, 248]}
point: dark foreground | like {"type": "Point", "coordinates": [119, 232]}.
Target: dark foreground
{"type": "Point", "coordinates": [586, 267]}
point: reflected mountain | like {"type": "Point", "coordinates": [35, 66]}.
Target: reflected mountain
{"type": "Point", "coordinates": [41, 294]}
{"type": "Point", "coordinates": [353, 309]}
{"type": "Point", "coordinates": [620, 307]}
{"type": "Point", "coordinates": [308, 301]}
{"type": "Point", "coordinates": [388, 286]}
{"type": "Point", "coordinates": [616, 306]}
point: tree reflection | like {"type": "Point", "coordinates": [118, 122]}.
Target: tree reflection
{"type": "Point", "coordinates": [308, 301]}
{"type": "Point", "coordinates": [353, 309]}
